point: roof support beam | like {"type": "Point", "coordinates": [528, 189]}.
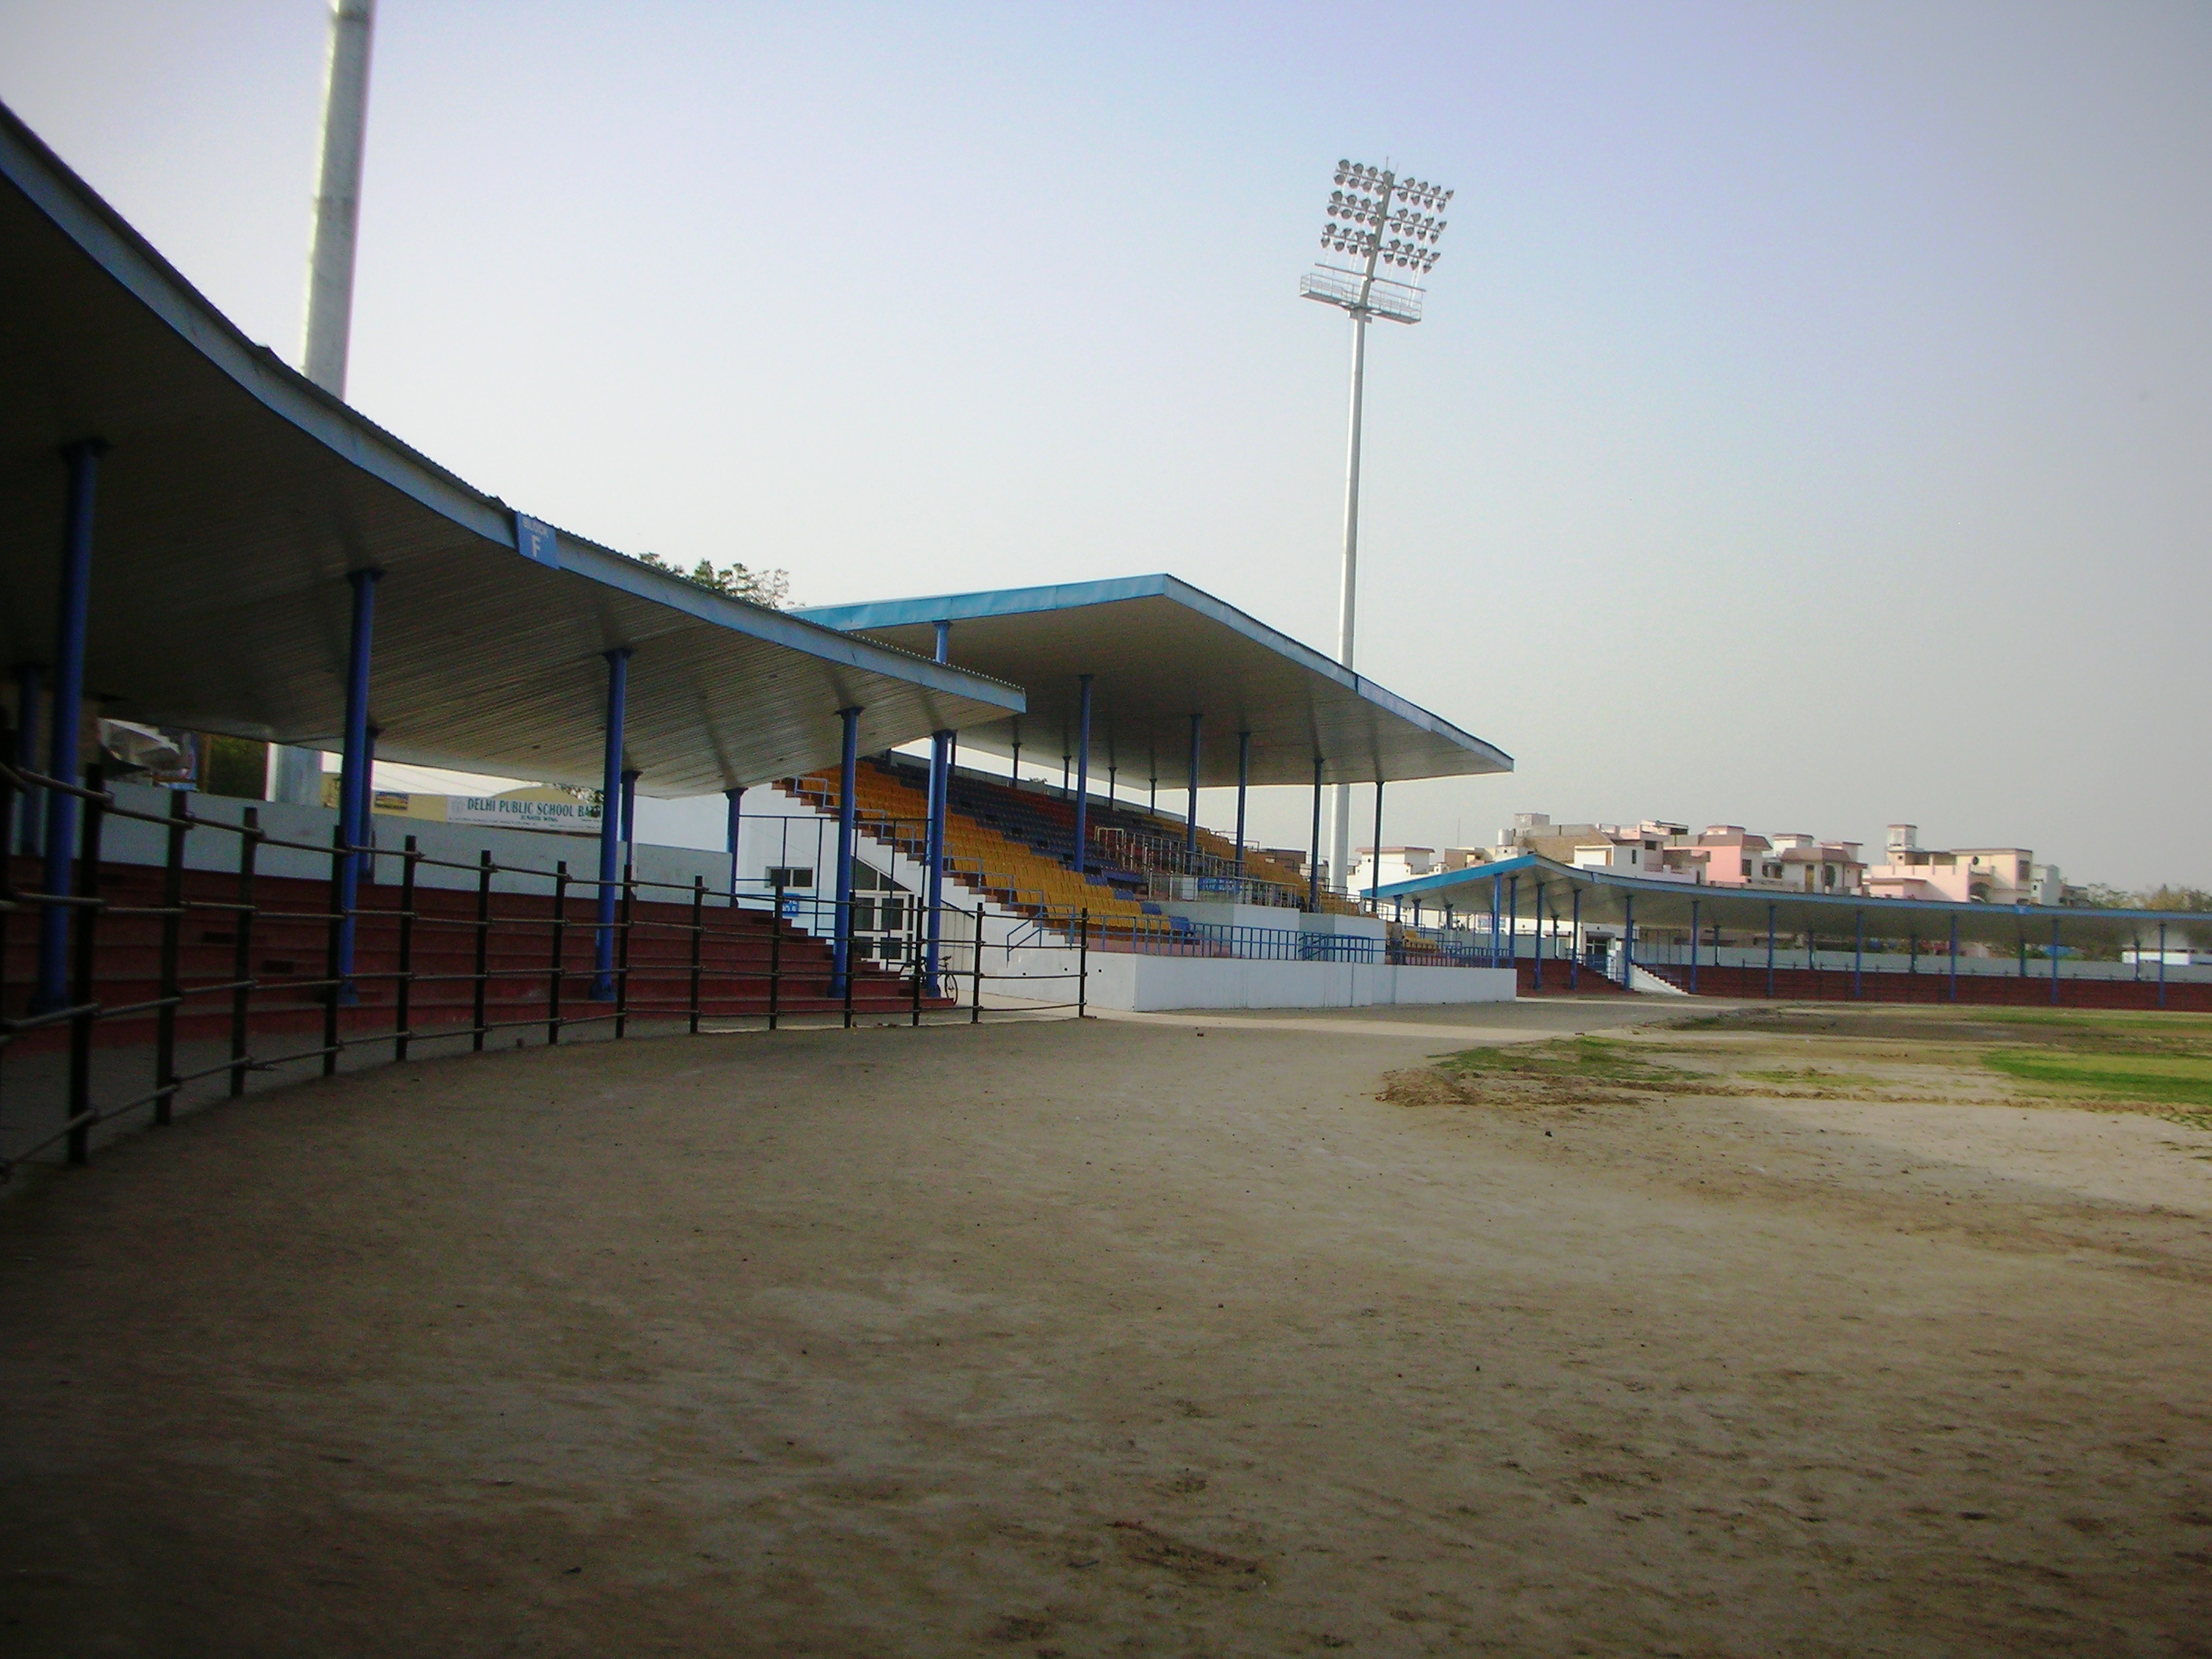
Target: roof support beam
{"type": "Point", "coordinates": [355, 793]}
{"type": "Point", "coordinates": [848, 773]}
{"type": "Point", "coordinates": [1083, 776]}
{"type": "Point", "coordinates": [1197, 729]}
{"type": "Point", "coordinates": [73, 611]}
{"type": "Point", "coordinates": [611, 792]}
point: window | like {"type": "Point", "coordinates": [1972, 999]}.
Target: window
{"type": "Point", "coordinates": [790, 875]}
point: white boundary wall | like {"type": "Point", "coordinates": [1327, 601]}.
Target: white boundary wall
{"type": "Point", "coordinates": [1140, 984]}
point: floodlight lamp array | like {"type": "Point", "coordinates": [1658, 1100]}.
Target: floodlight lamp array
{"type": "Point", "coordinates": [1365, 222]}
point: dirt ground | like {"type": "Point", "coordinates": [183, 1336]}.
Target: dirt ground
{"type": "Point", "coordinates": [1132, 1337]}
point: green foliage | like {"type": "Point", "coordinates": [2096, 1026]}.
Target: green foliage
{"type": "Point", "coordinates": [2164, 896]}
{"type": "Point", "coordinates": [237, 767]}
{"type": "Point", "coordinates": [2183, 1079]}
{"type": "Point", "coordinates": [737, 582]}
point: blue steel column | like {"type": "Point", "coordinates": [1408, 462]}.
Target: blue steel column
{"type": "Point", "coordinates": [1493, 922]}
{"type": "Point", "coordinates": [941, 787]}
{"type": "Point", "coordinates": [1693, 947]}
{"type": "Point", "coordinates": [1513, 923]}
{"type": "Point", "coordinates": [1374, 858]}
{"type": "Point", "coordinates": [1538, 969]}
{"type": "Point", "coordinates": [1243, 780]}
{"type": "Point", "coordinates": [1083, 776]}
{"type": "Point", "coordinates": [365, 803]}
{"type": "Point", "coordinates": [354, 767]}
{"type": "Point", "coordinates": [1313, 862]}
{"type": "Point", "coordinates": [1190, 827]}
{"type": "Point", "coordinates": [1770, 951]}
{"type": "Point", "coordinates": [364, 790]}
{"type": "Point", "coordinates": [1954, 959]}
{"type": "Point", "coordinates": [849, 782]}
{"type": "Point", "coordinates": [2161, 964]}
{"type": "Point", "coordinates": [1628, 942]}
{"type": "Point", "coordinates": [2054, 960]}
{"type": "Point", "coordinates": [1858, 950]}
{"type": "Point", "coordinates": [25, 833]}
{"type": "Point", "coordinates": [611, 795]}
{"type": "Point", "coordinates": [72, 611]}
{"type": "Point", "coordinates": [733, 826]}
{"type": "Point", "coordinates": [1574, 939]}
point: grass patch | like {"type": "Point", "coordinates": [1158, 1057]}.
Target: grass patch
{"type": "Point", "coordinates": [1584, 1068]}
{"type": "Point", "coordinates": [1813, 1074]}
{"type": "Point", "coordinates": [2186, 1026]}
{"type": "Point", "coordinates": [2176, 1079]}
{"type": "Point", "coordinates": [1577, 1060]}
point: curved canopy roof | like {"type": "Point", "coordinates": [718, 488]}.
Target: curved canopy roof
{"type": "Point", "coordinates": [1606, 897]}
{"type": "Point", "coordinates": [236, 497]}
{"type": "Point", "coordinates": [1159, 651]}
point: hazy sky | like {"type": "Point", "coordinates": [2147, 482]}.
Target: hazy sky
{"type": "Point", "coordinates": [1810, 428]}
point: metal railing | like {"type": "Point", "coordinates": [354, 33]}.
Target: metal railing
{"type": "Point", "coordinates": [460, 953]}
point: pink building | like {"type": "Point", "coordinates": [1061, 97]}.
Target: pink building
{"type": "Point", "coordinates": [1962, 875]}
{"type": "Point", "coordinates": [1792, 863]}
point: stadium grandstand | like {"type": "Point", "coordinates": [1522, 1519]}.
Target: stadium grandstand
{"type": "Point", "coordinates": [1559, 927]}
{"type": "Point", "coordinates": [199, 540]}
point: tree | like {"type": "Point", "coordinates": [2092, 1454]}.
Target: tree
{"type": "Point", "coordinates": [737, 582]}
{"type": "Point", "coordinates": [2099, 897]}
{"type": "Point", "coordinates": [2163, 897]}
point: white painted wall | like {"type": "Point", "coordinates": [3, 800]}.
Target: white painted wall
{"type": "Point", "coordinates": [1120, 980]}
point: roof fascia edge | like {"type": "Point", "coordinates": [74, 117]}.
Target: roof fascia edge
{"type": "Point", "coordinates": [975, 606]}
{"type": "Point", "coordinates": [618, 571]}
{"type": "Point", "coordinates": [1066, 596]}
{"type": "Point", "coordinates": [109, 241]}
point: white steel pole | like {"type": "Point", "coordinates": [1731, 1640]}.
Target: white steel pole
{"type": "Point", "coordinates": [1339, 853]}
{"type": "Point", "coordinates": [337, 200]}
{"type": "Point", "coordinates": [296, 774]}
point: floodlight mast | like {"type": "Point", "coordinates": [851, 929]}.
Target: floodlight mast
{"type": "Point", "coordinates": [1362, 208]}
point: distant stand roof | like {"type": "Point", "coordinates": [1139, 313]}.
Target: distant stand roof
{"type": "Point", "coordinates": [1159, 651]}
{"type": "Point", "coordinates": [237, 497]}
{"type": "Point", "coordinates": [1606, 897]}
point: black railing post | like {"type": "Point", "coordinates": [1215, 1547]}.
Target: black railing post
{"type": "Point", "coordinates": [7, 846]}
{"type": "Point", "coordinates": [173, 934]}
{"type": "Point", "coordinates": [483, 973]}
{"type": "Point", "coordinates": [698, 943]}
{"type": "Point", "coordinates": [622, 958]}
{"type": "Point", "coordinates": [915, 930]}
{"type": "Point", "coordinates": [81, 976]}
{"type": "Point", "coordinates": [975, 996]}
{"type": "Point", "coordinates": [403, 996]}
{"type": "Point", "coordinates": [559, 944]}
{"type": "Point", "coordinates": [776, 956]}
{"type": "Point", "coordinates": [241, 949]}
{"type": "Point", "coordinates": [852, 965]}
{"type": "Point", "coordinates": [1083, 964]}
{"type": "Point", "coordinates": [334, 951]}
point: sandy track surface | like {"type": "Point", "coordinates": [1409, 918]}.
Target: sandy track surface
{"type": "Point", "coordinates": [1111, 1338]}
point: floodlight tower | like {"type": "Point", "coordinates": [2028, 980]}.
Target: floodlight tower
{"type": "Point", "coordinates": [1379, 221]}
{"type": "Point", "coordinates": [296, 774]}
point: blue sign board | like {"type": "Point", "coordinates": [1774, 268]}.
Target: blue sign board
{"type": "Point", "coordinates": [535, 540]}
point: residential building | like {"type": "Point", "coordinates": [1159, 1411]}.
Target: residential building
{"type": "Point", "coordinates": [1398, 864]}
{"type": "Point", "coordinates": [1962, 875]}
